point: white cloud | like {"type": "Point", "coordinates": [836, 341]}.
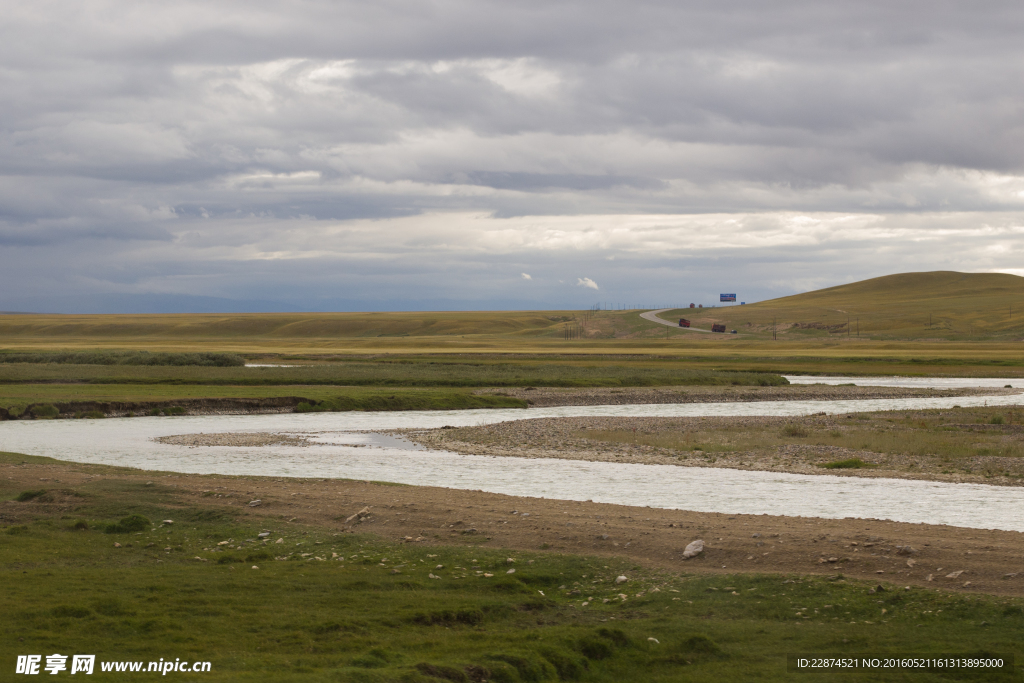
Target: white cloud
{"type": "Point", "coordinates": [586, 282]}
{"type": "Point", "coordinates": [525, 276]}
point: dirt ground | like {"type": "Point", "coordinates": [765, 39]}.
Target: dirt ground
{"type": "Point", "coordinates": [892, 554]}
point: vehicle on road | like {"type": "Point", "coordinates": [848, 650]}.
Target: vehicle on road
{"type": "Point", "coordinates": [683, 322]}
{"type": "Point", "coordinates": [718, 327]}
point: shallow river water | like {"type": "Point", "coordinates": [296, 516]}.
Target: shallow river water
{"type": "Point", "coordinates": [344, 450]}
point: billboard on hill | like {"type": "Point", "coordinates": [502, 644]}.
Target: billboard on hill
{"type": "Point", "coordinates": [727, 297]}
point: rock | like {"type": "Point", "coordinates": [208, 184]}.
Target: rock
{"type": "Point", "coordinates": [930, 577]}
{"type": "Point", "coordinates": [255, 503]}
{"type": "Point", "coordinates": [905, 550]}
{"type": "Point", "coordinates": [693, 549]}
{"type": "Point", "coordinates": [167, 521]}
{"type": "Point", "coordinates": [1010, 576]}
{"type": "Point", "coordinates": [654, 640]}
{"type": "Point", "coordinates": [255, 567]}
{"type": "Point", "coordinates": [620, 579]}
{"type": "Point", "coordinates": [431, 576]}
{"type": "Point", "coordinates": [911, 563]}
{"type": "Point", "coordinates": [953, 575]}
{"type": "Point", "coordinates": [117, 545]}
{"type": "Point", "coordinates": [833, 559]}
{"type": "Point", "coordinates": [263, 534]}
{"type": "Point", "coordinates": [510, 560]}
{"type": "Point", "coordinates": [359, 516]}
{"type": "Point", "coordinates": [487, 576]}
{"type": "Point", "coordinates": [604, 537]}
{"type": "Point", "coordinates": [511, 571]}
{"type": "Point", "coordinates": [280, 540]}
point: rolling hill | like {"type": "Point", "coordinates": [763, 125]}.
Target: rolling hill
{"type": "Point", "coordinates": [932, 305]}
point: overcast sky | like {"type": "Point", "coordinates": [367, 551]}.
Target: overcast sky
{"type": "Point", "coordinates": [392, 154]}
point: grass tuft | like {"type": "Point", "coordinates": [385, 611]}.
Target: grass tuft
{"type": "Point", "coordinates": [849, 464]}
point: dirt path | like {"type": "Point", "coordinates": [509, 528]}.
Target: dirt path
{"type": "Point", "coordinates": [965, 560]}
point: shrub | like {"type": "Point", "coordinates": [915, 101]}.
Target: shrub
{"type": "Point", "coordinates": [129, 524]}
{"type": "Point", "coordinates": [44, 411]}
{"type": "Point", "coordinates": [529, 667]}
{"type": "Point", "coordinates": [595, 648]}
{"type": "Point", "coordinates": [794, 430]}
{"type": "Point", "coordinates": [996, 420]}
{"type": "Point", "coordinates": [26, 496]}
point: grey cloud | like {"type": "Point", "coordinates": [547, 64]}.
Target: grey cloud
{"type": "Point", "coordinates": [172, 143]}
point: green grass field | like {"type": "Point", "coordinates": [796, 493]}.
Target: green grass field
{"type": "Point", "coordinates": [345, 607]}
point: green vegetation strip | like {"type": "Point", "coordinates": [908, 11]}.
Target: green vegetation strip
{"type": "Point", "coordinates": [321, 605]}
{"type": "Point", "coordinates": [411, 373]}
{"type": "Point", "coordinates": [93, 401]}
{"type": "Point", "coordinates": [123, 358]}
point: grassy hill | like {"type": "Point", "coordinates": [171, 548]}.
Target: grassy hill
{"type": "Point", "coordinates": [936, 305]}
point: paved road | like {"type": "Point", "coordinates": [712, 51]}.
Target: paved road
{"type": "Point", "coordinates": [653, 317]}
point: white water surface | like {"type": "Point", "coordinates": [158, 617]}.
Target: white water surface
{"type": "Point", "coordinates": [912, 382]}
{"type": "Point", "coordinates": [344, 450]}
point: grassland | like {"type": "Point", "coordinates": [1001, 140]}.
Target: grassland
{"type": "Point", "coordinates": [914, 323]}
{"type": "Point", "coordinates": [392, 383]}
{"type": "Point", "coordinates": [369, 611]}
{"type": "Point", "coordinates": [403, 372]}
{"type": "Point", "coordinates": [910, 306]}
{"type": "Point", "coordinates": [947, 435]}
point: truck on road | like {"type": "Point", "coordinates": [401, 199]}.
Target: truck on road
{"type": "Point", "coordinates": [683, 322]}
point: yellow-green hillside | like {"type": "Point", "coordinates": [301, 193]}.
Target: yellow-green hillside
{"type": "Point", "coordinates": [935, 305]}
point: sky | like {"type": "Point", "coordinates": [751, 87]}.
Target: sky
{"type": "Point", "coordinates": [455, 155]}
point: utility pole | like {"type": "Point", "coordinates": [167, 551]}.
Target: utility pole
{"type": "Point", "coordinates": [858, 328]}
{"type": "Point", "coordinates": [847, 327]}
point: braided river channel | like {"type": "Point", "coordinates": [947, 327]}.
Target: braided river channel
{"type": "Point", "coordinates": [344, 445]}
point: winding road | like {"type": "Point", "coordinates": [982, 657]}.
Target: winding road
{"type": "Point", "coordinates": [652, 316]}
